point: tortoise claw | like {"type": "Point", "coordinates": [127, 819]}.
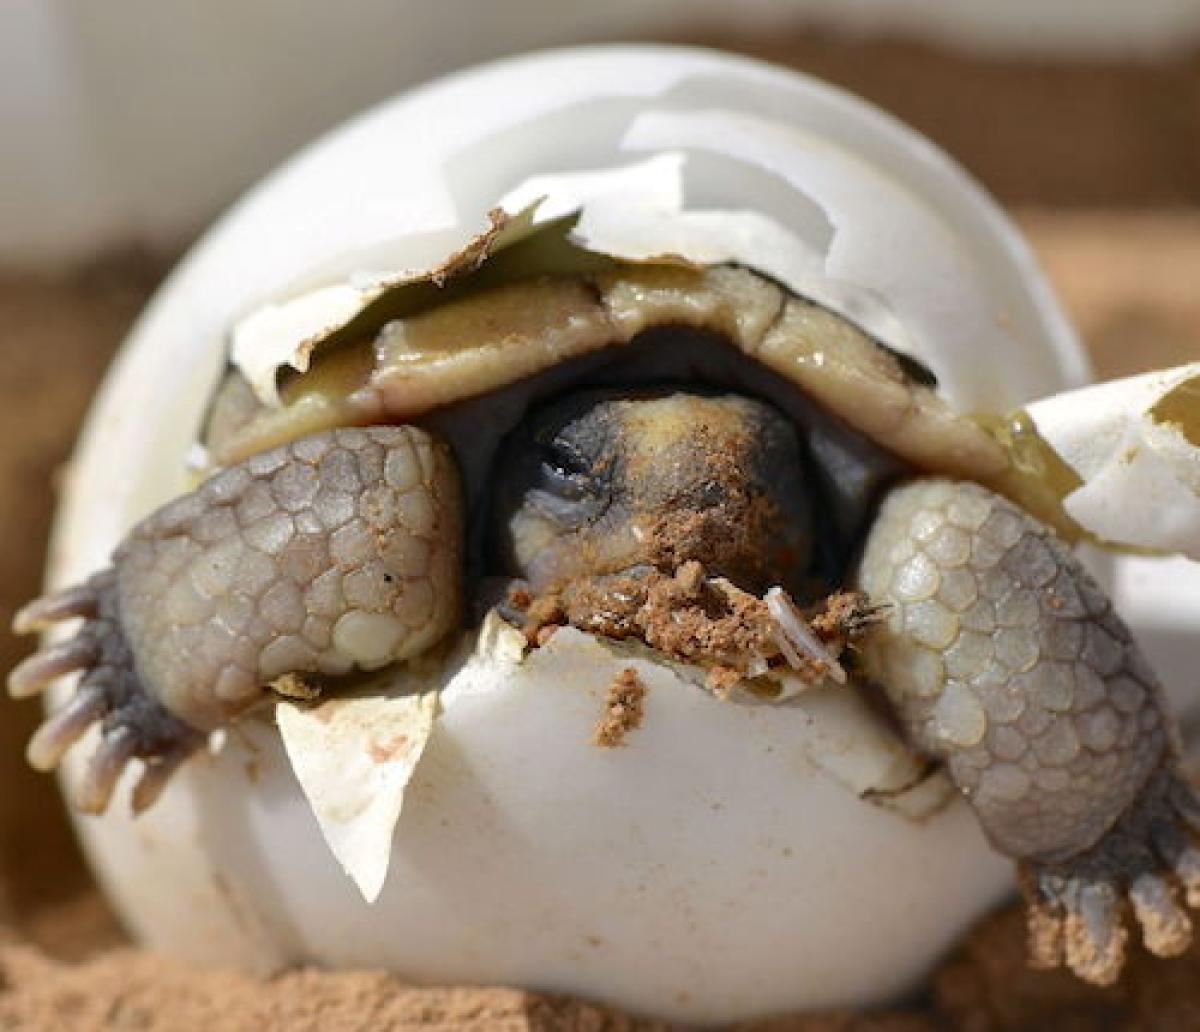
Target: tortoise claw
{"type": "Point", "coordinates": [41, 669]}
{"type": "Point", "coordinates": [1166, 927]}
{"type": "Point", "coordinates": [156, 774]}
{"type": "Point", "coordinates": [77, 600]}
{"type": "Point", "coordinates": [64, 728]}
{"type": "Point", "coordinates": [106, 764]}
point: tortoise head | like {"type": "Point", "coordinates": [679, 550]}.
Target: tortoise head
{"type": "Point", "coordinates": [606, 480]}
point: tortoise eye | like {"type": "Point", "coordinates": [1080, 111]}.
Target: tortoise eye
{"type": "Point", "coordinates": [564, 462]}
{"type": "Point", "coordinates": [568, 483]}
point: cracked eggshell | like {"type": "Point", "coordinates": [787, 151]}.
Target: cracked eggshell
{"type": "Point", "coordinates": [1134, 444]}
{"type": "Point", "coordinates": [723, 863]}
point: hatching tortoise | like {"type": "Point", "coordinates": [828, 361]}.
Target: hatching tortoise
{"type": "Point", "coordinates": [627, 422]}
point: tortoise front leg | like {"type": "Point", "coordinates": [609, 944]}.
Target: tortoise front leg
{"type": "Point", "coordinates": [1005, 659]}
{"type": "Point", "coordinates": [336, 552]}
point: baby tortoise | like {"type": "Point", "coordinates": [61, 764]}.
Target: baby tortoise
{"type": "Point", "coordinates": [643, 418]}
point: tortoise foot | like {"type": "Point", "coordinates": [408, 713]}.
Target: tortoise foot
{"type": "Point", "coordinates": [1147, 862]}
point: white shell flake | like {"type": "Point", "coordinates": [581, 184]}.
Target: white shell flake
{"type": "Point", "coordinates": [1135, 444]}
{"type": "Point", "coordinates": [354, 757]}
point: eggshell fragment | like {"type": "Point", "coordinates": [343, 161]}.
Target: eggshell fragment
{"type": "Point", "coordinates": [1135, 444]}
{"type": "Point", "coordinates": [354, 757]}
{"type": "Point", "coordinates": [282, 334]}
{"type": "Point", "coordinates": [287, 333]}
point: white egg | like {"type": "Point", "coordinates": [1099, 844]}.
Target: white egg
{"type": "Point", "coordinates": [726, 862]}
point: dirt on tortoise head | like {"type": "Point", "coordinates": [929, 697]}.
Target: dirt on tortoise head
{"type": "Point", "coordinates": [693, 618]}
{"type": "Point", "coordinates": [731, 517]}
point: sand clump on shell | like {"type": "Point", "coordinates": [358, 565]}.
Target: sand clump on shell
{"type": "Point", "coordinates": [624, 709]}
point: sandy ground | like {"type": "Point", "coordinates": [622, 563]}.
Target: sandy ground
{"type": "Point", "coordinates": [1127, 273]}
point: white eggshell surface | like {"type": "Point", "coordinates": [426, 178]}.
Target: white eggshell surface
{"type": "Point", "coordinates": [710, 869]}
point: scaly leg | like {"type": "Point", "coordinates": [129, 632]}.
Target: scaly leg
{"type": "Point", "coordinates": [1004, 658]}
{"type": "Point", "coordinates": [336, 552]}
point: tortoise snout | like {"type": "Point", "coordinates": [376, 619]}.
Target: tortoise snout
{"type": "Point", "coordinates": [605, 480]}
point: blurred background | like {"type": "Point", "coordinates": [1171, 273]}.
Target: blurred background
{"type": "Point", "coordinates": [134, 122]}
{"type": "Point", "coordinates": [125, 127]}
